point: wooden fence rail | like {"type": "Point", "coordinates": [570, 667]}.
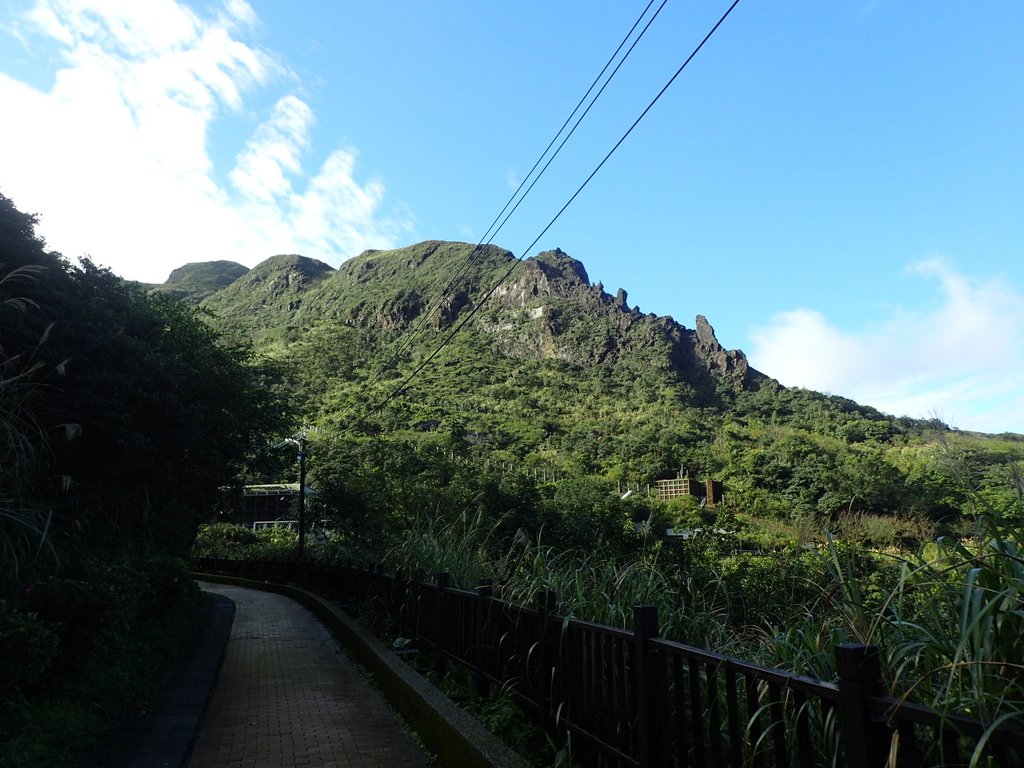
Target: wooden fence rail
{"type": "Point", "coordinates": [631, 698]}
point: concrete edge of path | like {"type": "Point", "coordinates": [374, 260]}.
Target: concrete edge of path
{"type": "Point", "coordinates": [457, 739]}
{"type": "Point", "coordinates": [165, 734]}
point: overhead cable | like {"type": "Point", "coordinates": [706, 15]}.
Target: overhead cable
{"type": "Point", "coordinates": [463, 322]}
{"type": "Point", "coordinates": [491, 232]}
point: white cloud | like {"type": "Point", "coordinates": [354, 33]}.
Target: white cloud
{"type": "Point", "coordinates": [963, 360]}
{"type": "Point", "coordinates": [274, 154]}
{"type": "Point", "coordinates": [115, 157]}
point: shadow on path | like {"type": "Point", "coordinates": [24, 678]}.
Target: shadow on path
{"type": "Point", "coordinates": [163, 735]}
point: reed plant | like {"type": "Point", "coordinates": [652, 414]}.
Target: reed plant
{"type": "Point", "coordinates": [457, 544]}
{"type": "Point", "coordinates": [961, 648]}
{"type": "Point", "coordinates": [949, 624]}
{"type": "Point", "coordinates": [24, 526]}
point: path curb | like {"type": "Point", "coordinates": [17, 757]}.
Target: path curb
{"type": "Point", "coordinates": [457, 739]}
{"type": "Point", "coordinates": [164, 736]}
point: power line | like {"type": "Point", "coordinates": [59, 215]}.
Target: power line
{"type": "Point", "coordinates": [491, 232]}
{"type": "Point", "coordinates": [573, 113]}
{"type": "Point", "coordinates": [625, 135]}
{"type": "Point", "coordinates": [589, 106]}
{"type": "Point", "coordinates": [462, 323]}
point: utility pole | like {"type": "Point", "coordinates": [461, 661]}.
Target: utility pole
{"type": "Point", "coordinates": [299, 440]}
{"type": "Point", "coordinates": [302, 494]}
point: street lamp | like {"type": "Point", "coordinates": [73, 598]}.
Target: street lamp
{"type": "Point", "coordinates": [299, 440]}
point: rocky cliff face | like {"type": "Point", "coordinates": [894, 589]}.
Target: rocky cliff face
{"type": "Point", "coordinates": [546, 308]}
{"type": "Point", "coordinates": [266, 299]}
{"type": "Point", "coordinates": [568, 317]}
{"type": "Point", "coordinates": [730, 363]}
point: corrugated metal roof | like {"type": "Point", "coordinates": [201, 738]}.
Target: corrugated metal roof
{"type": "Point", "coordinates": [276, 489]}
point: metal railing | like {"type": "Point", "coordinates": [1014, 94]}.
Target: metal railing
{"type": "Point", "coordinates": [631, 698]}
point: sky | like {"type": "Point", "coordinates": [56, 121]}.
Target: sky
{"type": "Point", "coordinates": [837, 186]}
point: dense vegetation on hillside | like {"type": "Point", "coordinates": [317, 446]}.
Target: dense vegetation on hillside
{"type": "Point", "coordinates": [194, 282]}
{"type": "Point", "coordinates": [523, 451]}
{"type": "Point", "coordinates": [510, 457]}
{"type": "Point", "coordinates": [121, 417]}
{"type": "Point", "coordinates": [557, 378]}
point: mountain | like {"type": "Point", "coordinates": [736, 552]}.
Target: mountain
{"type": "Point", "coordinates": [532, 365]}
{"type": "Point", "coordinates": [549, 366]}
{"type": "Point", "coordinates": [194, 282]}
{"type": "Point", "coordinates": [546, 309]}
{"type": "Point", "coordinates": [262, 304]}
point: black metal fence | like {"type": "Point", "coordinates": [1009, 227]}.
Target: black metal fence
{"type": "Point", "coordinates": [630, 698]}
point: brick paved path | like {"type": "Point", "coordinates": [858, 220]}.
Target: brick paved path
{"type": "Point", "coordinates": [288, 695]}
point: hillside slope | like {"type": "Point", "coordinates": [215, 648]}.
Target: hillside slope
{"type": "Point", "coordinates": [551, 373]}
{"type": "Point", "coordinates": [194, 282]}
{"type": "Point", "coordinates": [550, 367]}
{"type": "Point", "coordinates": [262, 305]}
{"type": "Point", "coordinates": [547, 309]}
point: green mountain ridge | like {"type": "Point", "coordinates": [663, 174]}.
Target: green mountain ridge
{"type": "Point", "coordinates": [546, 309]}
{"type": "Point", "coordinates": [552, 369]}
{"type": "Point", "coordinates": [194, 282]}
{"type": "Point", "coordinates": [262, 303]}
{"type": "Point", "coordinates": [552, 374]}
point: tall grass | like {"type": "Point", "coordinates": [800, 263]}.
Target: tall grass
{"type": "Point", "coordinates": [24, 528]}
{"type": "Point", "coordinates": [457, 544]}
{"type": "Point", "coordinates": [587, 585]}
{"type": "Point", "coordinates": [950, 626]}
{"type": "Point", "coordinates": [963, 648]}
{"type": "Point", "coordinates": [948, 618]}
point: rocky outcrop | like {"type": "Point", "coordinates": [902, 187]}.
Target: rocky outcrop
{"type": "Point", "coordinates": [545, 308]}
{"type": "Point", "coordinates": [448, 310]}
{"type": "Point", "coordinates": [560, 314]}
{"type": "Point", "coordinates": [548, 274]}
{"type": "Point", "coordinates": [730, 363]}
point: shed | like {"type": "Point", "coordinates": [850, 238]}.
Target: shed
{"type": "Point", "coordinates": [707, 492]}
{"type": "Point", "coordinates": [271, 502]}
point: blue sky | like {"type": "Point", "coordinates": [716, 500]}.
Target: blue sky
{"type": "Point", "coordinates": [838, 186]}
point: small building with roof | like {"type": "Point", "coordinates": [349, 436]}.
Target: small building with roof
{"type": "Point", "coordinates": [271, 503]}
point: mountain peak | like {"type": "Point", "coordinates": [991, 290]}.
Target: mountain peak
{"type": "Point", "coordinates": [307, 268]}
{"type": "Point", "coordinates": [559, 265]}
{"type": "Point", "coordinates": [546, 308]}
{"type": "Point", "coordinates": [262, 303]}
{"type": "Point", "coordinates": [195, 281]}
{"type": "Point", "coordinates": [727, 362]}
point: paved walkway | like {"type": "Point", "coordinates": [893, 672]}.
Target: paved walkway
{"type": "Point", "coordinates": [288, 695]}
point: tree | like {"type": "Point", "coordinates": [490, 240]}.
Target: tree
{"type": "Point", "coordinates": [164, 414]}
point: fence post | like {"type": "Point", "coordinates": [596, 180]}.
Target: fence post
{"type": "Point", "coordinates": [547, 601]}
{"type": "Point", "coordinates": [860, 677]}
{"type": "Point", "coordinates": [377, 583]}
{"type": "Point", "coordinates": [484, 591]}
{"type": "Point", "coordinates": [398, 600]}
{"type": "Point", "coordinates": [443, 581]}
{"type": "Point", "coordinates": [649, 682]}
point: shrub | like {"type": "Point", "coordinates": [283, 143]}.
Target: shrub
{"type": "Point", "coordinates": [77, 610]}
{"type": "Point", "coordinates": [221, 540]}
{"type": "Point", "coordinates": [885, 530]}
{"type": "Point", "coordinates": [80, 648]}
{"type": "Point", "coordinates": [773, 589]}
{"type": "Point", "coordinates": [28, 646]}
